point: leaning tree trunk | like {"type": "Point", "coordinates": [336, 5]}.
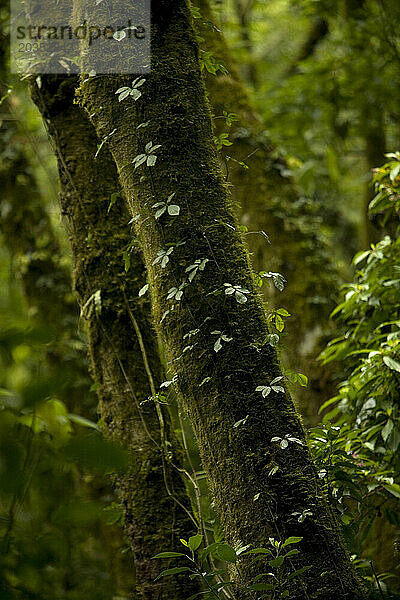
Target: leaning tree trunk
{"type": "Point", "coordinates": [269, 201]}
{"type": "Point", "coordinates": [153, 493]}
{"type": "Point", "coordinates": [123, 347]}
{"type": "Point", "coordinates": [172, 181]}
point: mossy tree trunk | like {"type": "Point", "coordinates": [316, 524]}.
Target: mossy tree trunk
{"type": "Point", "coordinates": [122, 344]}
{"type": "Point", "coordinates": [192, 302]}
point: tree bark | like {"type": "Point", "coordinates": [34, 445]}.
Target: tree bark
{"type": "Point", "coordinates": [122, 345]}
{"type": "Point", "coordinates": [218, 389]}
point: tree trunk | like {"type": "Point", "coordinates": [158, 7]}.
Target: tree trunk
{"type": "Point", "coordinates": [243, 13]}
{"type": "Point", "coordinates": [123, 348]}
{"type": "Point", "coordinates": [218, 389]}
{"type": "Point", "coordinates": [372, 122]}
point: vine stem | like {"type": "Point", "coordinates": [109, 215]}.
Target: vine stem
{"type": "Point", "coordinates": [378, 583]}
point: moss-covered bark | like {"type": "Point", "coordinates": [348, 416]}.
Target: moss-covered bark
{"type": "Point", "coordinates": [269, 201]}
{"type": "Point", "coordinates": [152, 492]}
{"type": "Point", "coordinates": [218, 389]}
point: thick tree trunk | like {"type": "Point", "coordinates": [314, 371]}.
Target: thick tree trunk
{"type": "Point", "coordinates": [122, 344]}
{"type": "Point", "coordinates": [218, 389]}
{"type": "Point", "coordinates": [153, 493]}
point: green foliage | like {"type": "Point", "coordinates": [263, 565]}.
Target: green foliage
{"type": "Point", "coordinates": [355, 478]}
{"type": "Point", "coordinates": [271, 387]}
{"type": "Point", "coordinates": [221, 337]}
{"type": "Point", "coordinates": [370, 345]}
{"type": "Point", "coordinates": [358, 457]}
{"type": "Point", "coordinates": [216, 578]}
{"type": "Point", "coordinates": [386, 203]}
{"type": "Point", "coordinates": [148, 157]}
{"type": "Point", "coordinates": [45, 517]}
{"type": "Point", "coordinates": [237, 291]}
{"type": "Point", "coordinates": [133, 91]}
{"type": "Point", "coordinates": [166, 207]}
{"type": "Point", "coordinates": [323, 90]}
{"type": "Point", "coordinates": [211, 64]}
{"type": "Point", "coordinates": [314, 111]}
{"type": "Point", "coordinates": [222, 140]}
{"type": "Point", "coordinates": [51, 527]}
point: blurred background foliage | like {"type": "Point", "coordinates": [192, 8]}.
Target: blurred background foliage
{"type": "Point", "coordinates": [58, 517]}
{"type": "Point", "coordinates": [59, 520]}
{"type": "Point", "coordinates": [324, 76]}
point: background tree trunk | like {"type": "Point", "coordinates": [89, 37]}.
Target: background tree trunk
{"type": "Point", "coordinates": [269, 201]}
{"type": "Point", "coordinates": [371, 120]}
{"type": "Point", "coordinates": [243, 9]}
